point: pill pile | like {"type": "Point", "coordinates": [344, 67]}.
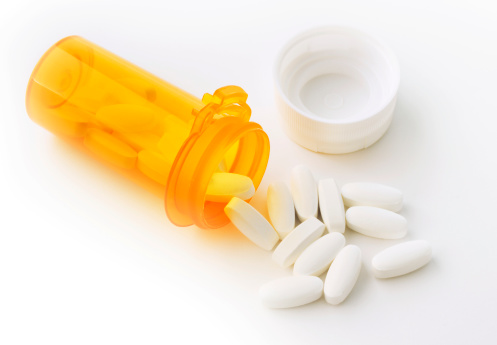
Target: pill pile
{"type": "Point", "coordinates": [371, 211]}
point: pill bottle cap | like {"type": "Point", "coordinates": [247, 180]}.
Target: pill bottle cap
{"type": "Point", "coordinates": [336, 89]}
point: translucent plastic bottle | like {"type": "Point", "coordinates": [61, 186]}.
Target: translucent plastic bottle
{"type": "Point", "coordinates": [135, 120]}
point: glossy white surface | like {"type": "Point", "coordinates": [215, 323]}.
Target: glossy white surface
{"type": "Point", "coordinates": [280, 208]}
{"type": "Point", "coordinates": [401, 259]}
{"type": "Point", "coordinates": [376, 222]}
{"type": "Point", "coordinates": [331, 205]}
{"type": "Point", "coordinates": [88, 256]}
{"type": "Point", "coordinates": [299, 239]}
{"type": "Point", "coordinates": [305, 192]}
{"type": "Point", "coordinates": [343, 274]}
{"type": "Point", "coordinates": [372, 194]}
{"type": "Point", "coordinates": [289, 292]}
{"type": "Point", "coordinates": [316, 258]}
{"type": "Point", "coordinates": [336, 88]}
{"type": "Point", "coordinates": [251, 223]}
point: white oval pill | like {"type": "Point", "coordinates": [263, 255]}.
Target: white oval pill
{"type": "Point", "coordinates": [304, 192]}
{"type": "Point", "coordinates": [224, 186]}
{"type": "Point", "coordinates": [291, 292]}
{"type": "Point", "coordinates": [316, 258]}
{"type": "Point", "coordinates": [294, 244]}
{"type": "Point", "coordinates": [251, 223]}
{"type": "Point", "coordinates": [343, 274]}
{"type": "Point", "coordinates": [372, 194]}
{"type": "Point", "coordinates": [376, 222]}
{"type": "Point", "coordinates": [331, 205]}
{"type": "Point", "coordinates": [401, 259]}
{"type": "Point", "coordinates": [280, 208]}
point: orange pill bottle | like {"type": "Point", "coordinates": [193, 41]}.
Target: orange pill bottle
{"type": "Point", "coordinates": [137, 121]}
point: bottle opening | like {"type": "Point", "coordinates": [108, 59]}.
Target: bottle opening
{"type": "Point", "coordinates": [241, 147]}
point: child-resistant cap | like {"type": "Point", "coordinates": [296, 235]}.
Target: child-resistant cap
{"type": "Point", "coordinates": [336, 89]}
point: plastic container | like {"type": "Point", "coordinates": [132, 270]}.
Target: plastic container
{"type": "Point", "coordinates": [336, 88]}
{"type": "Point", "coordinates": [135, 120]}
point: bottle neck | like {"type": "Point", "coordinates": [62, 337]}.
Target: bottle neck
{"type": "Point", "coordinates": [199, 159]}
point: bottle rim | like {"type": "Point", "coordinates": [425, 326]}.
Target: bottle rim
{"type": "Point", "coordinates": [199, 159]}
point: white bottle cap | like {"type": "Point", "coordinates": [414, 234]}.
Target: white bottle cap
{"type": "Point", "coordinates": [336, 89]}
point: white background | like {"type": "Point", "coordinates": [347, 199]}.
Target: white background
{"type": "Point", "coordinates": [87, 256]}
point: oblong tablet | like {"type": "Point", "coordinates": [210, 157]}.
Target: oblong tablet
{"type": "Point", "coordinates": [372, 194]}
{"type": "Point", "coordinates": [224, 186]}
{"type": "Point", "coordinates": [304, 192]}
{"type": "Point", "coordinates": [294, 244]}
{"type": "Point", "coordinates": [291, 292]}
{"type": "Point", "coordinates": [138, 141]}
{"type": "Point", "coordinates": [376, 222]}
{"type": "Point", "coordinates": [401, 259]}
{"type": "Point", "coordinates": [343, 274]}
{"type": "Point", "coordinates": [280, 208]}
{"type": "Point", "coordinates": [71, 120]}
{"type": "Point", "coordinates": [331, 205]}
{"type": "Point", "coordinates": [154, 165]}
{"type": "Point", "coordinates": [140, 86]}
{"type": "Point", "coordinates": [127, 117]}
{"type": "Point", "coordinates": [251, 223]}
{"type": "Point", "coordinates": [316, 258]}
{"type": "Point", "coordinates": [110, 148]}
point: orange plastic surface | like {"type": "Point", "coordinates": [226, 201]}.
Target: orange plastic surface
{"type": "Point", "coordinates": [134, 120]}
